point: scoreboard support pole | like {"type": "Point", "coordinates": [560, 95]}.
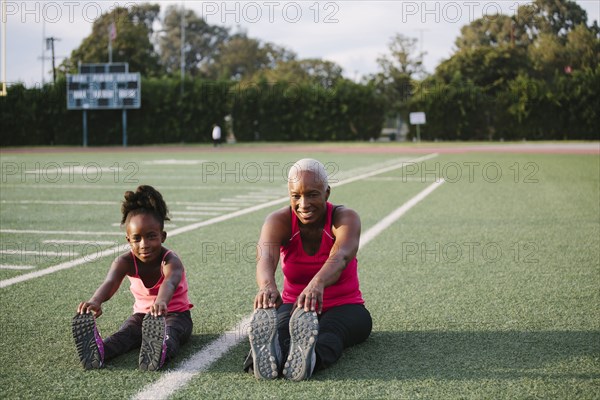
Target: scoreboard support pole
{"type": "Point", "coordinates": [85, 131]}
{"type": "Point", "coordinates": [124, 118]}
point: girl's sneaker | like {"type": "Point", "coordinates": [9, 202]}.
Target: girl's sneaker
{"type": "Point", "coordinates": [90, 347]}
{"type": "Point", "coordinates": [264, 343]}
{"type": "Point", "coordinates": [154, 343]}
{"type": "Point", "coordinates": [304, 329]}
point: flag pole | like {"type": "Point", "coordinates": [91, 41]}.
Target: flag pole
{"type": "Point", "coordinates": [3, 91]}
{"type": "Point", "coordinates": [110, 37]}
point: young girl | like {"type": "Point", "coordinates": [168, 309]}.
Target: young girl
{"type": "Point", "coordinates": [161, 319]}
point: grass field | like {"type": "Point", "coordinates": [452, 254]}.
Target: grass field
{"type": "Point", "coordinates": [487, 288]}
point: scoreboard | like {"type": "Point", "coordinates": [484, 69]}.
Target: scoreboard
{"type": "Point", "coordinates": [104, 87]}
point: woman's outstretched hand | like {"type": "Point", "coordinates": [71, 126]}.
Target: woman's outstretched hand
{"type": "Point", "coordinates": [268, 297]}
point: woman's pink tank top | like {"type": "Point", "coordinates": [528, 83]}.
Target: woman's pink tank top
{"type": "Point", "coordinates": [299, 268]}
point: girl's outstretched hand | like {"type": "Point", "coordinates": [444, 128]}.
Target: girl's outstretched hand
{"type": "Point", "coordinates": [86, 307]}
{"type": "Point", "coordinates": [159, 308]}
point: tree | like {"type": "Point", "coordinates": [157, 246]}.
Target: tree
{"type": "Point", "coordinates": [202, 42]}
{"type": "Point", "coordinates": [242, 57]}
{"type": "Point", "coordinates": [131, 45]}
{"type": "Point", "coordinates": [556, 17]}
{"type": "Point", "coordinates": [310, 70]}
{"type": "Point", "coordinates": [488, 67]}
{"type": "Point", "coordinates": [398, 71]}
{"type": "Point", "coordinates": [493, 31]}
{"type": "Point", "coordinates": [583, 48]}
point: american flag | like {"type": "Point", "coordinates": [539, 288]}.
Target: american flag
{"type": "Point", "coordinates": [112, 31]}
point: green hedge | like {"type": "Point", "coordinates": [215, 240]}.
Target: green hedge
{"type": "Point", "coordinates": [566, 107]}
{"type": "Point", "coordinates": [281, 111]}
{"type": "Point", "coordinates": [289, 112]}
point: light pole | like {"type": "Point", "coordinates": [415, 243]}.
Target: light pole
{"type": "Point", "coordinates": [182, 59]}
{"type": "Point", "coordinates": [50, 44]}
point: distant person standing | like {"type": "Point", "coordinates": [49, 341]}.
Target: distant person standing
{"type": "Point", "coordinates": [216, 135]}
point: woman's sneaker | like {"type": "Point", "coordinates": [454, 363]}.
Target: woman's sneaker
{"type": "Point", "coordinates": [264, 343]}
{"type": "Point", "coordinates": [304, 329]}
{"type": "Point", "coordinates": [154, 343]}
{"type": "Point", "coordinates": [90, 347]}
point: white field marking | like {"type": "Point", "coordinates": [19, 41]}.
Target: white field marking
{"type": "Point", "coordinates": [66, 265]}
{"type": "Point", "coordinates": [397, 213]}
{"type": "Point", "coordinates": [183, 219]}
{"type": "Point", "coordinates": [175, 379]}
{"type": "Point", "coordinates": [173, 162]}
{"type": "Point", "coordinates": [98, 242]}
{"type": "Point", "coordinates": [167, 225]}
{"type": "Point", "coordinates": [402, 164]}
{"type": "Point", "coordinates": [197, 203]}
{"type": "Point", "coordinates": [257, 196]}
{"type": "Point", "coordinates": [77, 169]}
{"type": "Point", "coordinates": [195, 213]}
{"type": "Point", "coordinates": [31, 231]}
{"type": "Point", "coordinates": [204, 208]}
{"type": "Point", "coordinates": [134, 182]}
{"type": "Point", "coordinates": [39, 253]}
{"type": "Point", "coordinates": [237, 202]}
{"type": "Point", "coordinates": [63, 202]}
{"type": "Point", "coordinates": [16, 267]}
{"type": "Point", "coordinates": [400, 178]}
{"type": "Point", "coordinates": [191, 227]}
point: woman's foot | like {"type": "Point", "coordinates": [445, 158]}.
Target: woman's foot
{"type": "Point", "coordinates": [264, 343]}
{"type": "Point", "coordinates": [304, 329]}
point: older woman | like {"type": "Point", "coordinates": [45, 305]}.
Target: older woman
{"type": "Point", "coordinates": [321, 310]}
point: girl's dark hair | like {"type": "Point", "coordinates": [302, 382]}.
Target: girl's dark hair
{"type": "Point", "coordinates": [145, 200]}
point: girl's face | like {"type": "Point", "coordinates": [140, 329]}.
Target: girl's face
{"type": "Point", "coordinates": [145, 237]}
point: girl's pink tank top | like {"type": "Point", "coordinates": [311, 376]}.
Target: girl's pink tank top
{"type": "Point", "coordinates": [145, 297]}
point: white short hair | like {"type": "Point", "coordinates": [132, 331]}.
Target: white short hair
{"type": "Point", "coordinates": [310, 165]}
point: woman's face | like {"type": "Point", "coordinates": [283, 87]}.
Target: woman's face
{"type": "Point", "coordinates": [308, 197]}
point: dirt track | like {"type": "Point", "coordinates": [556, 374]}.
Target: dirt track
{"type": "Point", "coordinates": [349, 148]}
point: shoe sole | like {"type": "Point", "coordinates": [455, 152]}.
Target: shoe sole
{"type": "Point", "coordinates": [263, 337]}
{"type": "Point", "coordinates": [154, 348]}
{"type": "Point", "coordinates": [304, 330]}
{"type": "Point", "coordinates": [88, 341]}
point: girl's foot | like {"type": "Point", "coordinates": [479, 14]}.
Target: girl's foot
{"type": "Point", "coordinates": [90, 347]}
{"type": "Point", "coordinates": [154, 343]}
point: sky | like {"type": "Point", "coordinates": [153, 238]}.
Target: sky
{"type": "Point", "coordinates": [352, 33]}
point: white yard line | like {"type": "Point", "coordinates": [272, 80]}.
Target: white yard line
{"type": "Point", "coordinates": [205, 208]}
{"type": "Point", "coordinates": [18, 252]}
{"type": "Point", "coordinates": [115, 250]}
{"type": "Point", "coordinates": [16, 267]}
{"type": "Point", "coordinates": [63, 202]}
{"type": "Point", "coordinates": [194, 213]}
{"type": "Point", "coordinates": [237, 202]}
{"type": "Point", "coordinates": [91, 186]}
{"type": "Point", "coordinates": [95, 242]}
{"type": "Point", "coordinates": [175, 379]}
{"type": "Point", "coordinates": [197, 203]}
{"type": "Point", "coordinates": [36, 232]}
{"type": "Point", "coordinates": [397, 213]}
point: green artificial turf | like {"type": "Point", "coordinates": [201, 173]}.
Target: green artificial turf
{"type": "Point", "coordinates": [488, 288]}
